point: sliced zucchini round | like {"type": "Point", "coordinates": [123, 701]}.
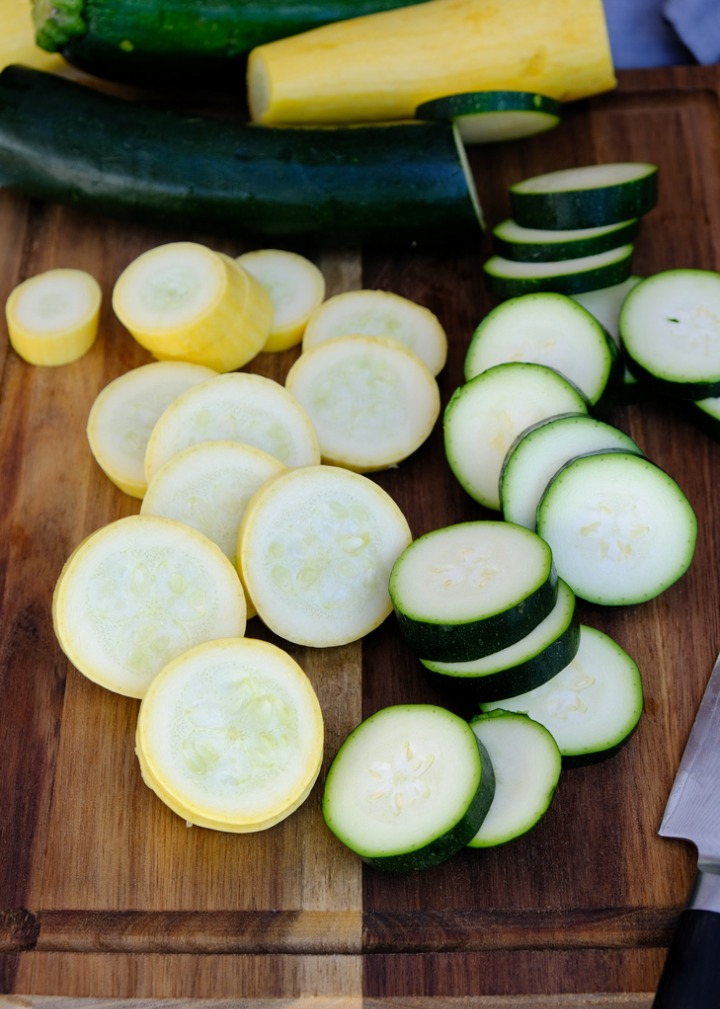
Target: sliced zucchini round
{"type": "Point", "coordinates": [237, 407]}
{"type": "Point", "coordinates": [670, 331]}
{"type": "Point", "coordinates": [486, 117]}
{"type": "Point", "coordinates": [230, 735]}
{"type": "Point", "coordinates": [550, 329]}
{"type": "Point", "coordinates": [126, 410]}
{"type": "Point", "coordinates": [705, 413]}
{"type": "Point", "coordinates": [538, 245]}
{"type": "Point", "coordinates": [370, 312]}
{"type": "Point", "coordinates": [408, 788]}
{"type": "Point", "coordinates": [621, 530]}
{"type": "Point", "coordinates": [544, 651]}
{"type": "Point", "coordinates": [527, 765]}
{"type": "Point", "coordinates": [138, 592]}
{"type": "Point", "coordinates": [592, 706]}
{"type": "Point", "coordinates": [372, 401]}
{"type": "Point", "coordinates": [508, 278]}
{"type": "Point", "coordinates": [315, 548]}
{"type": "Point", "coordinates": [470, 589]}
{"type": "Point", "coordinates": [485, 415]}
{"type": "Point", "coordinates": [296, 287]}
{"type": "Point", "coordinates": [542, 450]}
{"type": "Point", "coordinates": [588, 196]}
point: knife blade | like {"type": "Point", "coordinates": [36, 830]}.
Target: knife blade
{"type": "Point", "coordinates": [691, 976]}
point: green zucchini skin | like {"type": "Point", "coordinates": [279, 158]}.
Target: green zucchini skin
{"type": "Point", "coordinates": [63, 142]}
{"type": "Point", "coordinates": [180, 42]}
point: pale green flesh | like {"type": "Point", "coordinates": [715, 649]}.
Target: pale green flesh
{"type": "Point", "coordinates": [536, 458]}
{"type": "Point", "coordinates": [492, 127]}
{"type": "Point", "coordinates": [605, 303]}
{"type": "Point", "coordinates": [511, 231]}
{"type": "Point", "coordinates": [545, 328]}
{"type": "Point", "coordinates": [592, 704]}
{"type": "Point", "coordinates": [621, 530]}
{"type": "Point", "coordinates": [484, 417]}
{"type": "Point", "coordinates": [670, 324]}
{"type": "Point", "coordinates": [512, 269]}
{"type": "Point", "coordinates": [527, 765]}
{"type": "Point", "coordinates": [543, 635]}
{"type": "Point", "coordinates": [469, 571]}
{"type": "Point", "coordinates": [401, 780]}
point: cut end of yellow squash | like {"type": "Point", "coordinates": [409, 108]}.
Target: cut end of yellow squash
{"type": "Point", "coordinates": [52, 318]}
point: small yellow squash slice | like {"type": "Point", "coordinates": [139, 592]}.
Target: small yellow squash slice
{"type": "Point", "coordinates": [230, 735]}
{"type": "Point", "coordinates": [124, 413]}
{"type": "Point", "coordinates": [184, 302]}
{"type": "Point", "coordinates": [237, 407]}
{"type": "Point", "coordinates": [315, 549]}
{"type": "Point", "coordinates": [52, 318]}
{"type": "Point", "coordinates": [372, 402]}
{"type": "Point", "coordinates": [296, 287]}
{"type": "Point", "coordinates": [138, 592]}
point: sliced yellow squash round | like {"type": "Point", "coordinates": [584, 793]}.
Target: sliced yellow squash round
{"type": "Point", "coordinates": [372, 401]}
{"type": "Point", "coordinates": [52, 318]}
{"type": "Point", "coordinates": [207, 486]}
{"type": "Point", "coordinates": [369, 312]}
{"type": "Point", "coordinates": [138, 592]}
{"type": "Point", "coordinates": [296, 287]}
{"type": "Point", "coordinates": [238, 407]}
{"type": "Point", "coordinates": [184, 302]}
{"type": "Point", "coordinates": [230, 735]}
{"type": "Point", "coordinates": [315, 549]}
{"type": "Point", "coordinates": [124, 413]}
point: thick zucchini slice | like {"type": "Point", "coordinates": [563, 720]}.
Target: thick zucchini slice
{"type": "Point", "coordinates": [372, 402]}
{"type": "Point", "coordinates": [316, 547]}
{"type": "Point", "coordinates": [230, 735]}
{"type": "Point", "coordinates": [508, 278]}
{"type": "Point", "coordinates": [296, 287]}
{"type": "Point", "coordinates": [550, 329]}
{"type": "Point", "coordinates": [542, 653]}
{"type": "Point", "coordinates": [486, 414]}
{"type": "Point", "coordinates": [370, 312]}
{"type": "Point", "coordinates": [182, 43]}
{"type": "Point", "coordinates": [237, 407]}
{"type": "Point", "coordinates": [621, 530]}
{"type": "Point", "coordinates": [387, 183]}
{"type": "Point", "coordinates": [126, 410]}
{"type": "Point", "coordinates": [588, 196]}
{"type": "Point", "coordinates": [487, 117]}
{"type": "Point", "coordinates": [527, 765]}
{"type": "Point", "coordinates": [592, 706]}
{"type": "Point", "coordinates": [670, 331]}
{"type": "Point", "coordinates": [537, 245]}
{"type": "Point", "coordinates": [52, 318]}
{"type": "Point", "coordinates": [408, 788]}
{"type": "Point", "coordinates": [467, 590]}
{"type": "Point", "coordinates": [138, 592]}
{"type": "Point", "coordinates": [538, 453]}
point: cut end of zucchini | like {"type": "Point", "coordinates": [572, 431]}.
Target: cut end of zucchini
{"type": "Point", "coordinates": [485, 117]}
{"type": "Point", "coordinates": [52, 318]}
{"type": "Point", "coordinates": [57, 22]}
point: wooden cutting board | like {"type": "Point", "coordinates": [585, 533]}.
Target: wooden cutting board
{"type": "Point", "coordinates": [104, 893]}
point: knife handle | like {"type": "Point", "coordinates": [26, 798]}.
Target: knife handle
{"type": "Point", "coordinates": [691, 976]}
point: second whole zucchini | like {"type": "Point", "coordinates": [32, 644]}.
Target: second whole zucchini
{"type": "Point", "coordinates": [64, 142]}
{"type": "Point", "coordinates": [179, 42]}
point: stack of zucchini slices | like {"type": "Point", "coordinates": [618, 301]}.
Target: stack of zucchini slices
{"type": "Point", "coordinates": [571, 230]}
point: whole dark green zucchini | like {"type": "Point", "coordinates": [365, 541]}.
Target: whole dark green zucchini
{"type": "Point", "coordinates": [179, 42]}
{"type": "Point", "coordinates": [65, 142]}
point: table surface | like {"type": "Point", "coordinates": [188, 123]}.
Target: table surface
{"type": "Point", "coordinates": [107, 895]}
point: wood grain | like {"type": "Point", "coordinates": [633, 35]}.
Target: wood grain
{"type": "Point", "coordinates": [107, 898]}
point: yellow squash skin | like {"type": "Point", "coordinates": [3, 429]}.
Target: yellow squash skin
{"type": "Point", "coordinates": [382, 66]}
